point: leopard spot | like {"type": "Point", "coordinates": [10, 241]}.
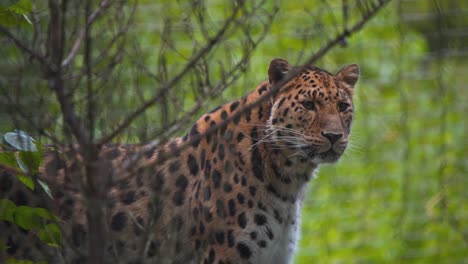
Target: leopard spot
{"type": "Point", "coordinates": [219, 237]}
{"type": "Point", "coordinates": [228, 135]}
{"type": "Point", "coordinates": [207, 169]}
{"type": "Point", "coordinates": [260, 219]}
{"type": "Point", "coordinates": [211, 256]}
{"type": "Point", "coordinates": [220, 209]}
{"type": "Point", "coordinates": [195, 136]}
{"type": "Point", "coordinates": [230, 238]}
{"type": "Point", "coordinates": [216, 179]}
{"type": "Point", "coordinates": [192, 164]}
{"type": "Point", "coordinates": [157, 182]}
{"type": "Point", "coordinates": [261, 206]}
{"type": "Point", "coordinates": [196, 214]}
{"type": "Point", "coordinates": [193, 231]}
{"type": "Point", "coordinates": [232, 207]}
{"type": "Point", "coordinates": [201, 228]}
{"type": "Point", "coordinates": [252, 190]}
{"type": "Point", "coordinates": [112, 154]}
{"type": "Point", "coordinates": [119, 221]}
{"type": "Point", "coordinates": [269, 233]}
{"type": "Point", "coordinates": [240, 198]}
{"type": "Point", "coordinates": [177, 222]}
{"type": "Point", "coordinates": [262, 243]}
{"type": "Point", "coordinates": [178, 197]}
{"type": "Point", "coordinates": [128, 197]}
{"type": "Point", "coordinates": [174, 166]}
{"type": "Point", "coordinates": [227, 187]}
{"type": "Point", "coordinates": [207, 213]}
{"type": "Point", "coordinates": [242, 220]}
{"type": "Point", "coordinates": [221, 152]}
{"type": "Point", "coordinates": [236, 178]}
{"type": "Point", "coordinates": [260, 113]}
{"type": "Point", "coordinates": [207, 195]}
{"type": "Point", "coordinates": [224, 115]}
{"type": "Point", "coordinates": [244, 250]}
{"type": "Point", "coordinates": [244, 180]}
{"type": "Point", "coordinates": [253, 235]}
{"type": "Point", "coordinates": [203, 158]}
{"type": "Point", "coordinates": [240, 136]}
{"type": "Point", "coordinates": [181, 182]}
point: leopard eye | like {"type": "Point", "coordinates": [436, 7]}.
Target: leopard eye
{"type": "Point", "coordinates": [342, 106]}
{"type": "Point", "coordinates": [309, 105]}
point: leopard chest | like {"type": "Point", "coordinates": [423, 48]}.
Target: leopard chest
{"type": "Point", "coordinates": [283, 233]}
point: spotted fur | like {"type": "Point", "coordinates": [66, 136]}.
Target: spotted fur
{"type": "Point", "coordinates": [233, 196]}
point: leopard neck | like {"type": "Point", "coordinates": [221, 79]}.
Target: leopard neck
{"type": "Point", "coordinates": [283, 177]}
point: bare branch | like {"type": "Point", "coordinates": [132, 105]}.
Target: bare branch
{"type": "Point", "coordinates": [88, 72]}
{"type": "Point", "coordinates": [24, 48]}
{"type": "Point", "coordinates": [77, 44]}
{"type": "Point", "coordinates": [275, 88]}
{"type": "Point", "coordinates": [22, 114]}
{"type": "Point", "coordinates": [206, 49]}
{"type": "Point", "coordinates": [56, 79]}
{"type": "Point", "coordinates": [227, 79]}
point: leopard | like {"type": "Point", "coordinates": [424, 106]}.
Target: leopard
{"type": "Point", "coordinates": [230, 191]}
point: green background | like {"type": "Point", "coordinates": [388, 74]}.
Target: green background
{"type": "Point", "coordinates": [399, 194]}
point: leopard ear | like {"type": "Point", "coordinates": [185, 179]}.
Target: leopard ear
{"type": "Point", "coordinates": [278, 69]}
{"type": "Point", "coordinates": [349, 74]}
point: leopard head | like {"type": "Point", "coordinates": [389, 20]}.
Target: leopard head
{"type": "Point", "coordinates": [311, 115]}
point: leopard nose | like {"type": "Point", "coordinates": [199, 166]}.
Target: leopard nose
{"type": "Point", "coordinates": [333, 137]}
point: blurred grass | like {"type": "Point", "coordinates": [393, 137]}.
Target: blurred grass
{"type": "Point", "coordinates": [399, 195]}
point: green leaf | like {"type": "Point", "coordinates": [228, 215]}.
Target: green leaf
{"type": "Point", "coordinates": [27, 218]}
{"type": "Point", "coordinates": [28, 181]}
{"type": "Point", "coordinates": [18, 261]}
{"type": "Point", "coordinates": [8, 158]}
{"type": "Point", "coordinates": [21, 7]}
{"type": "Point", "coordinates": [10, 19]}
{"type": "Point", "coordinates": [46, 214]}
{"type": "Point", "coordinates": [20, 140]}
{"type": "Point", "coordinates": [15, 14]}
{"type": "Point", "coordinates": [46, 188]}
{"type": "Point", "coordinates": [31, 160]}
{"type": "Point", "coordinates": [7, 210]}
{"type": "Point", "coordinates": [51, 235]}
{"type": "Point", "coordinates": [21, 165]}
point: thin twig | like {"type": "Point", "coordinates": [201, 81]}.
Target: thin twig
{"type": "Point", "coordinates": [24, 48]}
{"type": "Point", "coordinates": [208, 47]}
{"type": "Point", "coordinates": [291, 75]}
{"type": "Point", "coordinates": [77, 44]}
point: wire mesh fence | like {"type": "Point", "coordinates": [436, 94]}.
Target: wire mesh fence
{"type": "Point", "coordinates": [399, 195]}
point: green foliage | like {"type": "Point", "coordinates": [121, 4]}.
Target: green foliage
{"type": "Point", "coordinates": [22, 153]}
{"type": "Point", "coordinates": [22, 261]}
{"type": "Point", "coordinates": [51, 234]}
{"type": "Point", "coordinates": [7, 211]}
{"type": "Point", "coordinates": [18, 261]}
{"type": "Point", "coordinates": [15, 14]}
{"type": "Point", "coordinates": [399, 193]}
{"type": "Point", "coordinates": [29, 156]}
{"type": "Point", "coordinates": [32, 219]}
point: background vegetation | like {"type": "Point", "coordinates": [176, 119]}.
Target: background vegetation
{"type": "Point", "coordinates": [400, 193]}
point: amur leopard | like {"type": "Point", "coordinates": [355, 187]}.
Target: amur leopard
{"type": "Point", "coordinates": [232, 196]}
